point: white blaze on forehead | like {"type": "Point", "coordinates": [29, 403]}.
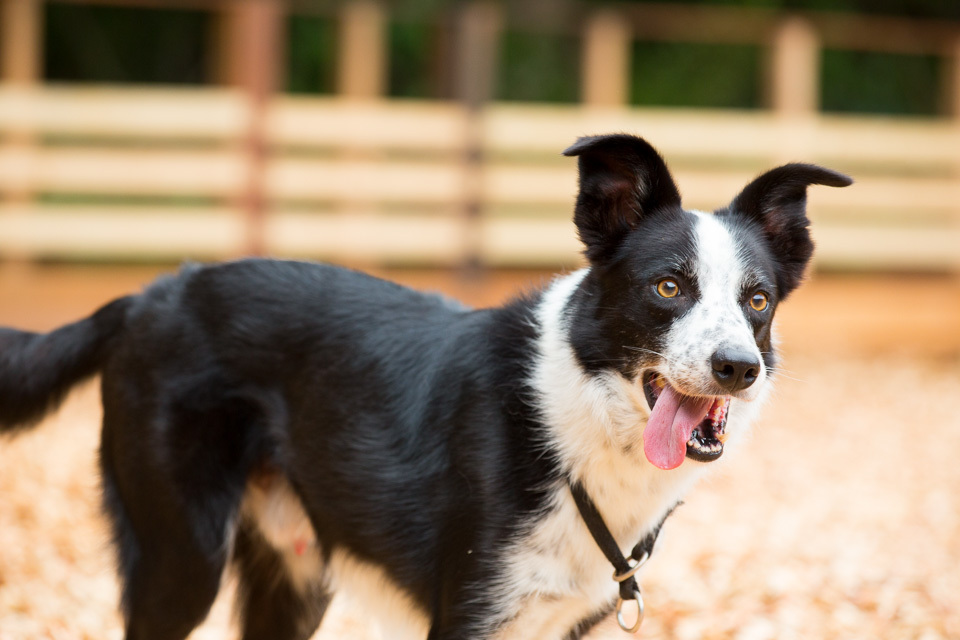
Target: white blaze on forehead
{"type": "Point", "coordinates": [719, 267]}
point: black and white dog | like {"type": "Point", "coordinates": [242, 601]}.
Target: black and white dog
{"type": "Point", "coordinates": [320, 429]}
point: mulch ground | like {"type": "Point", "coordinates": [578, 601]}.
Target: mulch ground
{"type": "Point", "coordinates": [839, 519]}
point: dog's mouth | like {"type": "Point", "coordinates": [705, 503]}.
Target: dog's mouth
{"type": "Point", "coordinates": [680, 425]}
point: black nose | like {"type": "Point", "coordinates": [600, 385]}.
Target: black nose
{"type": "Point", "coordinates": [735, 369]}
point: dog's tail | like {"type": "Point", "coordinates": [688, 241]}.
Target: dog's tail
{"type": "Point", "coordinates": [38, 369]}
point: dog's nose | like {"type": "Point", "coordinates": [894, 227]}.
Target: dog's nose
{"type": "Point", "coordinates": [735, 369]}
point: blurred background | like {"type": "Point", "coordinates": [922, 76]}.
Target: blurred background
{"type": "Point", "coordinates": [421, 140]}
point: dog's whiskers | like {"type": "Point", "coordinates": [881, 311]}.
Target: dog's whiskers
{"type": "Point", "coordinates": [780, 373]}
{"type": "Point", "coordinates": [665, 357]}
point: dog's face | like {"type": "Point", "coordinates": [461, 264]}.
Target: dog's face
{"type": "Point", "coordinates": [681, 303]}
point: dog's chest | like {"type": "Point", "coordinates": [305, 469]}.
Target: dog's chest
{"type": "Point", "coordinates": [555, 576]}
{"type": "Point", "coordinates": [552, 578]}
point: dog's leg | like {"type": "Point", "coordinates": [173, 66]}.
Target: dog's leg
{"type": "Point", "coordinates": [168, 581]}
{"type": "Point", "coordinates": [272, 604]}
{"type": "Point", "coordinates": [173, 480]}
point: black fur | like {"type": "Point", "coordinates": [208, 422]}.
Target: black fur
{"type": "Point", "coordinates": [622, 181]}
{"type": "Point", "coordinates": [777, 202]}
{"type": "Point", "coordinates": [405, 424]}
{"type": "Point", "coordinates": [37, 370]}
{"type": "Point", "coordinates": [586, 625]}
{"type": "Point", "coordinates": [330, 375]}
{"type": "Point", "coordinates": [658, 244]}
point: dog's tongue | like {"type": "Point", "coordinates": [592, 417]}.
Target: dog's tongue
{"type": "Point", "coordinates": [672, 421]}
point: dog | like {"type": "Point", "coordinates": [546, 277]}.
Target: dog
{"type": "Point", "coordinates": [457, 470]}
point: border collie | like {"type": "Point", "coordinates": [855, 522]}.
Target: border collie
{"type": "Point", "coordinates": [322, 430]}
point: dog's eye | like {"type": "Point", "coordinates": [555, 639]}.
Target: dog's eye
{"type": "Point", "coordinates": [668, 288]}
{"type": "Point", "coordinates": [759, 301]}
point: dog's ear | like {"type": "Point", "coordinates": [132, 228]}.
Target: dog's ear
{"type": "Point", "coordinates": [777, 202]}
{"type": "Point", "coordinates": [622, 180]}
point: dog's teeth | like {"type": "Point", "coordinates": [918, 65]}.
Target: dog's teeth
{"type": "Point", "coordinates": [705, 447]}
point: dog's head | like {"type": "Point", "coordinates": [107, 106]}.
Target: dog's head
{"type": "Point", "coordinates": [681, 303]}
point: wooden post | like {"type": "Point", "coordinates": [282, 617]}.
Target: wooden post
{"type": "Point", "coordinates": [260, 28]}
{"type": "Point", "coordinates": [605, 68]}
{"type": "Point", "coordinates": [793, 84]}
{"type": "Point", "coordinates": [362, 55]}
{"type": "Point", "coordinates": [227, 36]}
{"type": "Point", "coordinates": [21, 65]}
{"type": "Point", "coordinates": [478, 33]}
{"type": "Point", "coordinates": [477, 39]}
{"type": "Point", "coordinates": [21, 49]}
{"type": "Point", "coordinates": [794, 78]}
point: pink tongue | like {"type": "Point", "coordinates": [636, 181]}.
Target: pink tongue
{"type": "Point", "coordinates": [671, 423]}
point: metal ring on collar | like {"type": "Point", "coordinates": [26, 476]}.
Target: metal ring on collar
{"type": "Point", "coordinates": [620, 620]}
{"type": "Point", "coordinates": [626, 575]}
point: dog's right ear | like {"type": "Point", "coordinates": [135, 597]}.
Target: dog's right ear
{"type": "Point", "coordinates": [622, 180]}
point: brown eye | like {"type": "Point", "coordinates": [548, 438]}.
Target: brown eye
{"type": "Point", "coordinates": [668, 288]}
{"type": "Point", "coordinates": [759, 301]}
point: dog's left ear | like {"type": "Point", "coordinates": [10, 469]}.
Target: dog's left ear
{"type": "Point", "coordinates": [622, 180]}
{"type": "Point", "coordinates": [777, 201]}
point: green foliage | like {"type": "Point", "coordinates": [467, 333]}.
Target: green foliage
{"type": "Point", "coordinates": [311, 54]}
{"type": "Point", "coordinates": [695, 75]}
{"type": "Point", "coordinates": [411, 58]}
{"type": "Point", "coordinates": [93, 43]}
{"type": "Point", "coordinates": [942, 9]}
{"type": "Point", "coordinates": [539, 68]}
{"type": "Point", "coordinates": [880, 83]}
{"type": "Point", "coordinates": [120, 44]}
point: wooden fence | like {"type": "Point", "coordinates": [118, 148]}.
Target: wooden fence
{"type": "Point", "coordinates": [134, 173]}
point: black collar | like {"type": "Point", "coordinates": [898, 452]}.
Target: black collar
{"type": "Point", "coordinates": [624, 568]}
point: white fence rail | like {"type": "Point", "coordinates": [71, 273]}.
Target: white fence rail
{"type": "Point", "coordinates": [171, 174]}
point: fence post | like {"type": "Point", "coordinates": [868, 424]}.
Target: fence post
{"type": "Point", "coordinates": [477, 37]}
{"type": "Point", "coordinates": [21, 51]}
{"type": "Point", "coordinates": [227, 35]}
{"type": "Point", "coordinates": [362, 55]}
{"type": "Point", "coordinates": [260, 28]}
{"type": "Point", "coordinates": [795, 68]}
{"type": "Point", "coordinates": [794, 85]}
{"type": "Point", "coordinates": [605, 66]}
{"type": "Point", "coordinates": [21, 65]}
